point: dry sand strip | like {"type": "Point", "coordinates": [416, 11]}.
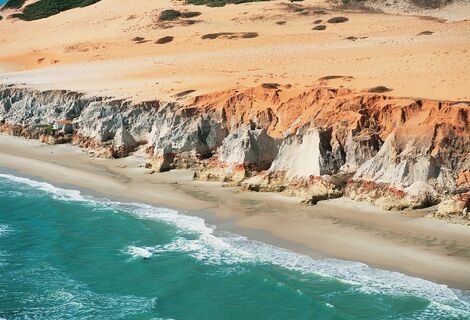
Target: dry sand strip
{"type": "Point", "coordinates": [339, 228]}
{"type": "Point", "coordinates": [114, 48]}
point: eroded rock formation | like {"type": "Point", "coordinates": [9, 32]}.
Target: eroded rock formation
{"type": "Point", "coordinates": [317, 144]}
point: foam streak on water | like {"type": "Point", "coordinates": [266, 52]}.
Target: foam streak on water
{"type": "Point", "coordinates": [209, 247]}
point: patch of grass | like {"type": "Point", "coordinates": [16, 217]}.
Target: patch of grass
{"type": "Point", "coordinates": [190, 14]}
{"type": "Point", "coordinates": [271, 85]}
{"type": "Point", "coordinates": [164, 40]}
{"type": "Point", "coordinates": [379, 89]}
{"type": "Point", "coordinates": [334, 77]}
{"type": "Point", "coordinates": [353, 38]}
{"type": "Point", "coordinates": [213, 36]}
{"type": "Point", "coordinates": [184, 93]}
{"type": "Point", "coordinates": [46, 8]}
{"type": "Point", "coordinates": [219, 3]}
{"type": "Point", "coordinates": [139, 40]}
{"type": "Point", "coordinates": [230, 35]}
{"type": "Point", "coordinates": [319, 27]}
{"type": "Point", "coordinates": [250, 35]}
{"type": "Point", "coordinates": [48, 129]}
{"type": "Point", "coordinates": [338, 20]}
{"type": "Point", "coordinates": [169, 15]}
{"type": "Point", "coordinates": [15, 15]}
{"type": "Point", "coordinates": [1, 18]}
{"type": "Point", "coordinates": [13, 4]}
{"type": "Point", "coordinates": [425, 33]}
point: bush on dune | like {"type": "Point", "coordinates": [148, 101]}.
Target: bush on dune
{"type": "Point", "coordinates": [46, 8]}
{"type": "Point", "coordinates": [219, 3]}
{"type": "Point", "coordinates": [168, 15]}
{"type": "Point", "coordinates": [13, 4]}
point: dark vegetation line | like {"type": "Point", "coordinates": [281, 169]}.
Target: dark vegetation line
{"type": "Point", "coordinates": [219, 3]}
{"type": "Point", "coordinates": [13, 4]}
{"type": "Point", "coordinates": [46, 8]}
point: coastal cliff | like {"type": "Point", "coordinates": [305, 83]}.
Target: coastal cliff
{"type": "Point", "coordinates": [317, 144]}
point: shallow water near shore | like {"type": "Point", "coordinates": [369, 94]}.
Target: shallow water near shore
{"type": "Point", "coordinates": [65, 255]}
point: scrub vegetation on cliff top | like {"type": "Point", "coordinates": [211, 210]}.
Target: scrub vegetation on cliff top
{"type": "Point", "coordinates": [13, 4]}
{"type": "Point", "coordinates": [46, 8]}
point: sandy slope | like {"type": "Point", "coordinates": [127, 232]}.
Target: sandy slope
{"type": "Point", "coordinates": [92, 49]}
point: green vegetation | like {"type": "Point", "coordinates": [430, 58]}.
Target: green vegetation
{"type": "Point", "coordinates": [338, 20]}
{"type": "Point", "coordinates": [164, 40]}
{"type": "Point", "coordinates": [46, 8]}
{"type": "Point", "coordinates": [169, 15]}
{"type": "Point", "coordinates": [13, 4]}
{"type": "Point", "coordinates": [1, 18]}
{"type": "Point", "coordinates": [190, 14]}
{"type": "Point", "coordinates": [219, 3]}
{"type": "Point", "coordinates": [47, 128]}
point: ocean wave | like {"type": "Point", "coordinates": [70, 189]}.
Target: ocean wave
{"type": "Point", "coordinates": [231, 249]}
{"type": "Point", "coordinates": [212, 248]}
{"type": "Point", "coordinates": [5, 230]}
{"type": "Point", "coordinates": [138, 252]}
{"type": "Point", "coordinates": [58, 193]}
{"type": "Point", "coordinates": [56, 295]}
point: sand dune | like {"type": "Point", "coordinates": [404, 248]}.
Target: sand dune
{"type": "Point", "coordinates": [92, 49]}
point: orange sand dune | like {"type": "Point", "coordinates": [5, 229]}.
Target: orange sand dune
{"type": "Point", "coordinates": [91, 49]}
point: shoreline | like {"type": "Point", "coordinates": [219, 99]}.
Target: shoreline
{"type": "Point", "coordinates": [340, 228]}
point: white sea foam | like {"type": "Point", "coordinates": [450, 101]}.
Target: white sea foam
{"type": "Point", "coordinates": [207, 249]}
{"type": "Point", "coordinates": [137, 252]}
{"type": "Point", "coordinates": [186, 223]}
{"type": "Point", "coordinates": [58, 193]}
{"type": "Point", "coordinates": [234, 249]}
{"type": "Point", "coordinates": [5, 230]}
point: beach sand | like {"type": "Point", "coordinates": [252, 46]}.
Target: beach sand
{"type": "Point", "coordinates": [340, 228]}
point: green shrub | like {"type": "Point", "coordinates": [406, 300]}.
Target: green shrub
{"type": "Point", "coordinates": [46, 8]}
{"type": "Point", "coordinates": [13, 4]}
{"type": "Point", "coordinates": [219, 3]}
{"type": "Point", "coordinates": [164, 40]}
{"type": "Point", "coordinates": [168, 15]}
{"type": "Point", "coordinates": [190, 14]}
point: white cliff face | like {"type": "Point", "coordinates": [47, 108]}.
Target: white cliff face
{"type": "Point", "coordinates": [315, 163]}
{"type": "Point", "coordinates": [403, 168]}
{"type": "Point", "coordinates": [358, 150]}
{"type": "Point", "coordinates": [299, 156]}
{"type": "Point", "coordinates": [118, 123]}
{"type": "Point", "coordinates": [248, 146]}
{"type": "Point", "coordinates": [123, 138]}
{"type": "Point", "coordinates": [177, 134]}
{"type": "Point", "coordinates": [30, 107]}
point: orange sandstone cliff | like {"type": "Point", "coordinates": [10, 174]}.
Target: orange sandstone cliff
{"type": "Point", "coordinates": [318, 144]}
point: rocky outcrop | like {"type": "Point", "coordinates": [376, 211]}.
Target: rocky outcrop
{"type": "Point", "coordinates": [242, 153]}
{"type": "Point", "coordinates": [184, 136]}
{"type": "Point", "coordinates": [318, 144]}
{"type": "Point", "coordinates": [303, 167]}
{"type": "Point", "coordinates": [123, 143]}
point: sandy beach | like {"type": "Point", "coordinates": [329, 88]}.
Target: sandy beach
{"type": "Point", "coordinates": [340, 228]}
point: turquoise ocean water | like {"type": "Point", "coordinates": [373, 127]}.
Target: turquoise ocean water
{"type": "Point", "coordinates": [65, 255]}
